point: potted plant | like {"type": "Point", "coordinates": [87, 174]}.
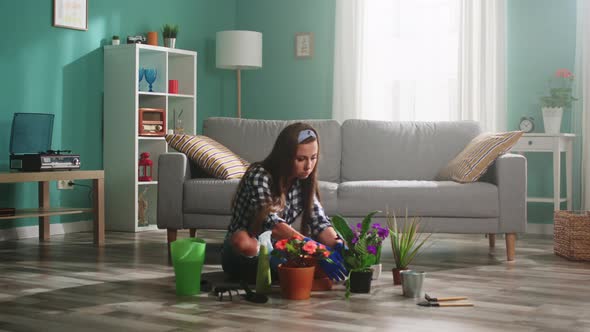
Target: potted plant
{"type": "Point", "coordinates": [296, 273]}
{"type": "Point", "coordinates": [559, 97]}
{"type": "Point", "coordinates": [116, 40]}
{"type": "Point", "coordinates": [406, 242]}
{"type": "Point", "coordinates": [363, 248]}
{"type": "Point", "coordinates": [170, 32]}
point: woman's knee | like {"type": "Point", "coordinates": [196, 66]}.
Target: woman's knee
{"type": "Point", "coordinates": [243, 244]}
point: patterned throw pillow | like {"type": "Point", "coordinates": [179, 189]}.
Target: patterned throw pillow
{"type": "Point", "coordinates": [209, 155]}
{"type": "Point", "coordinates": [478, 155]}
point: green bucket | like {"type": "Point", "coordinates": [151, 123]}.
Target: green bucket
{"type": "Point", "coordinates": [188, 256]}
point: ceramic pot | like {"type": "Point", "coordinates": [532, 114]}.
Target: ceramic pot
{"type": "Point", "coordinates": [360, 281]}
{"type": "Point", "coordinates": [115, 41]}
{"type": "Point", "coordinates": [152, 38]}
{"type": "Point", "coordinates": [397, 278]}
{"type": "Point", "coordinates": [296, 282]}
{"type": "Point", "coordinates": [376, 271]}
{"type": "Point", "coordinates": [552, 119]}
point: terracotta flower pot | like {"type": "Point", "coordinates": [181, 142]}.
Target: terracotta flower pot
{"type": "Point", "coordinates": [321, 281]}
{"type": "Point", "coordinates": [397, 278]}
{"type": "Point", "coordinates": [296, 282]}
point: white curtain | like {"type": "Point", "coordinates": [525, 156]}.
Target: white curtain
{"type": "Point", "coordinates": [482, 65]}
{"type": "Point", "coordinates": [580, 108]}
{"type": "Point", "coordinates": [408, 60]}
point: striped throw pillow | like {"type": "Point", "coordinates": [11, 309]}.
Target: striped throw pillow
{"type": "Point", "coordinates": [209, 155]}
{"type": "Point", "coordinates": [478, 155]}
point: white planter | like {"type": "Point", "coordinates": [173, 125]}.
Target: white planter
{"type": "Point", "coordinates": [552, 119]}
{"type": "Point", "coordinates": [116, 41]}
{"type": "Point", "coordinates": [376, 271]}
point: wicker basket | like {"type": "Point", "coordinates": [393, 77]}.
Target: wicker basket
{"type": "Point", "coordinates": [572, 234]}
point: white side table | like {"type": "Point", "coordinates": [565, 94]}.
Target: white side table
{"type": "Point", "coordinates": [555, 143]}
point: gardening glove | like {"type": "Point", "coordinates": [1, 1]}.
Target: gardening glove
{"type": "Point", "coordinates": [335, 270]}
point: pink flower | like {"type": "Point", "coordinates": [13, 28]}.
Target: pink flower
{"type": "Point", "coordinates": [563, 73]}
{"type": "Point", "coordinates": [297, 237]}
{"type": "Point", "coordinates": [326, 253]}
{"type": "Point", "coordinates": [281, 244]}
{"type": "Point", "coordinates": [310, 247]}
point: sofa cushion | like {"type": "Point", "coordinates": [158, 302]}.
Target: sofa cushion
{"type": "Point", "coordinates": [420, 198]}
{"type": "Point", "coordinates": [209, 195]}
{"type": "Point", "coordinates": [209, 155]}
{"type": "Point", "coordinates": [329, 196]}
{"type": "Point", "coordinates": [214, 196]}
{"type": "Point", "coordinates": [475, 159]}
{"type": "Point", "coordinates": [380, 150]}
{"type": "Point", "coordinates": [253, 140]}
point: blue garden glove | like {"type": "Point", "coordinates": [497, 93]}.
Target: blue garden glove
{"type": "Point", "coordinates": [335, 270]}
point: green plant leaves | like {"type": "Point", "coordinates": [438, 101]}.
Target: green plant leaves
{"type": "Point", "coordinates": [407, 242]}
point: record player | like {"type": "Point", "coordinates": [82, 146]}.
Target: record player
{"type": "Point", "coordinates": [30, 142]}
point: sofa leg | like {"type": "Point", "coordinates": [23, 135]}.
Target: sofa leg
{"type": "Point", "coordinates": [510, 246]}
{"type": "Point", "coordinates": [193, 232]}
{"type": "Point", "coordinates": [171, 235]}
{"type": "Point", "coordinates": [492, 240]}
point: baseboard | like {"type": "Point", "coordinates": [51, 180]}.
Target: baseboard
{"type": "Point", "coordinates": [544, 229]}
{"type": "Point", "coordinates": [54, 229]}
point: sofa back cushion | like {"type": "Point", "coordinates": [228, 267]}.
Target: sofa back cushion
{"type": "Point", "coordinates": [383, 150]}
{"type": "Point", "coordinates": [253, 140]}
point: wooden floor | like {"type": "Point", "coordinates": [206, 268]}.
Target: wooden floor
{"type": "Point", "coordinates": [67, 284]}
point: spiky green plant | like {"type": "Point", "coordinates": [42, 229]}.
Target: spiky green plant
{"type": "Point", "coordinates": [405, 242]}
{"type": "Point", "coordinates": [169, 31]}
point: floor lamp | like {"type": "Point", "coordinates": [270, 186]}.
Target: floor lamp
{"type": "Point", "coordinates": [239, 49]}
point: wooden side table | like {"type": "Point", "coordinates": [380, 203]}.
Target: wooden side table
{"type": "Point", "coordinates": [45, 211]}
{"type": "Point", "coordinates": [554, 143]}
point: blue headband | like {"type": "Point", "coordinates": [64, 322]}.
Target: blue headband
{"type": "Point", "coordinates": [305, 134]}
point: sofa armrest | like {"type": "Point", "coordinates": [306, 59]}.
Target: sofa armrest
{"type": "Point", "coordinates": [509, 173]}
{"type": "Point", "coordinates": [173, 171]}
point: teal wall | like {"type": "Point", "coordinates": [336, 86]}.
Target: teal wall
{"type": "Point", "coordinates": [60, 71]}
{"type": "Point", "coordinates": [541, 39]}
{"type": "Point", "coordinates": [286, 87]}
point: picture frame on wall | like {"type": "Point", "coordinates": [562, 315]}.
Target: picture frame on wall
{"type": "Point", "coordinates": [304, 44]}
{"type": "Point", "coordinates": [70, 14]}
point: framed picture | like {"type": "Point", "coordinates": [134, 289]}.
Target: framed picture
{"type": "Point", "coordinates": [71, 14]}
{"type": "Point", "coordinates": [304, 45]}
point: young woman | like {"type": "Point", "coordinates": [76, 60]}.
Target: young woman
{"type": "Point", "coordinates": [271, 195]}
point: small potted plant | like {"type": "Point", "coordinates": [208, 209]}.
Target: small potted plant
{"type": "Point", "coordinates": [406, 242]}
{"type": "Point", "coordinates": [169, 32]}
{"type": "Point", "coordinates": [296, 273]}
{"type": "Point", "coordinates": [559, 98]}
{"type": "Point", "coordinates": [115, 40]}
{"type": "Point", "coordinates": [363, 248]}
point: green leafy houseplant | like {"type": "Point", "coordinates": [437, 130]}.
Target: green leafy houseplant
{"type": "Point", "coordinates": [362, 244]}
{"type": "Point", "coordinates": [561, 95]}
{"type": "Point", "coordinates": [170, 31]}
{"type": "Point", "coordinates": [406, 242]}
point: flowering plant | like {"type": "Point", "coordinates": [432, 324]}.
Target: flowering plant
{"type": "Point", "coordinates": [560, 96]}
{"type": "Point", "coordinates": [300, 252]}
{"type": "Point", "coordinates": [363, 242]}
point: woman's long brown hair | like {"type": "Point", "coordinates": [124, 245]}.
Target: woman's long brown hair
{"type": "Point", "coordinates": [279, 163]}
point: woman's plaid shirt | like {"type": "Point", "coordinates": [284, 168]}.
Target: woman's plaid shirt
{"type": "Point", "coordinates": [255, 191]}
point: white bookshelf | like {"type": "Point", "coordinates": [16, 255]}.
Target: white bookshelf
{"type": "Point", "coordinates": [122, 143]}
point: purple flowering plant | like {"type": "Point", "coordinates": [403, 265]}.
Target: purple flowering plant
{"type": "Point", "coordinates": [362, 242]}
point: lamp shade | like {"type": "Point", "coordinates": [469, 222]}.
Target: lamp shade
{"type": "Point", "coordinates": [239, 49]}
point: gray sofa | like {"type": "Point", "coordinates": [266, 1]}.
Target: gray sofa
{"type": "Point", "coordinates": [364, 166]}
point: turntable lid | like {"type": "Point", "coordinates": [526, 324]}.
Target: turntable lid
{"type": "Point", "coordinates": [31, 133]}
